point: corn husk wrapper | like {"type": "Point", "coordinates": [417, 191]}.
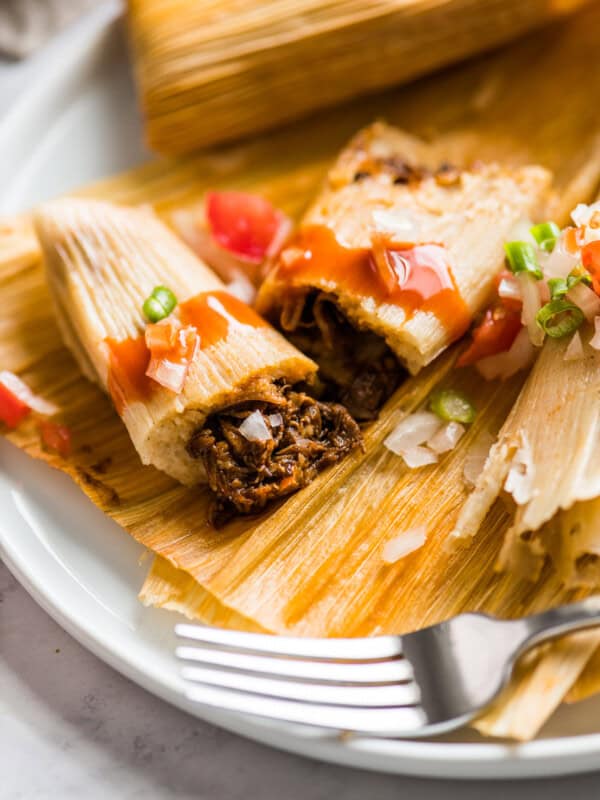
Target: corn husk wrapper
{"type": "Point", "coordinates": [319, 569]}
{"type": "Point", "coordinates": [102, 262]}
{"type": "Point", "coordinates": [472, 218]}
{"type": "Point", "coordinates": [223, 69]}
{"type": "Point", "coordinates": [552, 437]}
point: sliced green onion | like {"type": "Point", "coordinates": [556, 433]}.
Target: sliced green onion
{"type": "Point", "coordinates": [160, 304]}
{"type": "Point", "coordinates": [452, 406]}
{"type": "Point", "coordinates": [559, 317]}
{"type": "Point", "coordinates": [546, 234]}
{"type": "Point", "coordinates": [522, 258]}
{"type": "Point", "coordinates": [560, 286]}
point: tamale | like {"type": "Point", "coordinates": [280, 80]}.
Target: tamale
{"type": "Point", "coordinates": [170, 519]}
{"type": "Point", "coordinates": [102, 262]}
{"type": "Point", "coordinates": [211, 71]}
{"type": "Point", "coordinates": [403, 248]}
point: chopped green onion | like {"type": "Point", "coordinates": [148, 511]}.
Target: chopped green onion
{"type": "Point", "coordinates": [522, 258]}
{"type": "Point", "coordinates": [546, 234]}
{"type": "Point", "coordinates": [560, 286]}
{"type": "Point", "coordinates": [559, 317]}
{"type": "Point", "coordinates": [160, 304]}
{"type": "Point", "coordinates": [452, 406]}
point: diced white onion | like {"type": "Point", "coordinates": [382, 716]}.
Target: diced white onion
{"type": "Point", "coordinates": [414, 430]}
{"type": "Point", "coordinates": [587, 300]}
{"type": "Point", "coordinates": [418, 456]}
{"type": "Point", "coordinates": [242, 288]}
{"type": "Point", "coordinates": [519, 481]}
{"type": "Point", "coordinates": [19, 389]}
{"type": "Point", "coordinates": [476, 457]}
{"type": "Point", "coordinates": [400, 546]}
{"type": "Point", "coordinates": [276, 420]}
{"type": "Point", "coordinates": [574, 351]}
{"type": "Point", "coordinates": [399, 224]}
{"type": "Point", "coordinates": [521, 232]}
{"type": "Point", "coordinates": [582, 213]}
{"type": "Point", "coordinates": [446, 438]}
{"type": "Point", "coordinates": [168, 373]}
{"type": "Point", "coordinates": [532, 302]}
{"type": "Point", "coordinates": [509, 288]}
{"type": "Point", "coordinates": [595, 340]}
{"type": "Point", "coordinates": [254, 428]}
{"type": "Point", "coordinates": [503, 365]}
{"type": "Point", "coordinates": [560, 262]}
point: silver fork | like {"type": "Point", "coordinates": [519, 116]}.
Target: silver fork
{"type": "Point", "coordinates": [423, 683]}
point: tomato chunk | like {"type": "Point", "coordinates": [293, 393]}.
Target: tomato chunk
{"type": "Point", "coordinates": [590, 258]}
{"type": "Point", "coordinates": [55, 437]}
{"type": "Point", "coordinates": [243, 223]}
{"type": "Point", "coordinates": [495, 334]}
{"type": "Point", "coordinates": [12, 409]}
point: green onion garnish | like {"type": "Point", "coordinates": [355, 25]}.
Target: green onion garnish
{"type": "Point", "coordinates": [160, 304]}
{"type": "Point", "coordinates": [522, 258]}
{"type": "Point", "coordinates": [560, 286]}
{"type": "Point", "coordinates": [559, 317]}
{"type": "Point", "coordinates": [546, 234]}
{"type": "Point", "coordinates": [452, 406]}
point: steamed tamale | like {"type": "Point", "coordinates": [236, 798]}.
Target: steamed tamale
{"type": "Point", "coordinates": [400, 246]}
{"type": "Point", "coordinates": [221, 69]}
{"type": "Point", "coordinates": [204, 393]}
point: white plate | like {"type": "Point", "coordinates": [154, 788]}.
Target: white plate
{"type": "Point", "coordinates": [78, 122]}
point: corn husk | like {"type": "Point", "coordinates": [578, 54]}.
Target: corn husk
{"type": "Point", "coordinates": [319, 569]}
{"type": "Point", "coordinates": [220, 70]}
{"type": "Point", "coordinates": [102, 261]}
{"type": "Point", "coordinates": [554, 432]}
{"type": "Point", "coordinates": [471, 218]}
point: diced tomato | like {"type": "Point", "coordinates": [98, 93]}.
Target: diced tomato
{"type": "Point", "coordinates": [246, 224]}
{"type": "Point", "coordinates": [590, 258]}
{"type": "Point", "coordinates": [12, 409]}
{"type": "Point", "coordinates": [172, 350]}
{"type": "Point", "coordinates": [495, 334]}
{"type": "Point", "coordinates": [55, 437]}
{"type": "Point", "coordinates": [570, 240]}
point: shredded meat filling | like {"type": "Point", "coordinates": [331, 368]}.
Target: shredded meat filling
{"type": "Point", "coordinates": [356, 367]}
{"type": "Point", "coordinates": [305, 437]}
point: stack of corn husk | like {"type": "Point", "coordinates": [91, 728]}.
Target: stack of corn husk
{"type": "Point", "coordinates": [220, 69]}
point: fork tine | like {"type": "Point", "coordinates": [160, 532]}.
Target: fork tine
{"type": "Point", "coordinates": [377, 647]}
{"type": "Point", "coordinates": [371, 721]}
{"type": "Point", "coordinates": [371, 672]}
{"type": "Point", "coordinates": [403, 694]}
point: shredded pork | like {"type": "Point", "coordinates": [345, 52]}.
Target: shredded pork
{"type": "Point", "coordinates": [246, 474]}
{"type": "Point", "coordinates": [356, 367]}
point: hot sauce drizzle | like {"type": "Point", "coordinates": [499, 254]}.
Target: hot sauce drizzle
{"type": "Point", "coordinates": [213, 314]}
{"type": "Point", "coordinates": [418, 276]}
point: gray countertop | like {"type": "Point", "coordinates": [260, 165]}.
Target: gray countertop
{"type": "Point", "coordinates": [72, 727]}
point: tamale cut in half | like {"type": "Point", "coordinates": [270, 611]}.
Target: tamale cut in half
{"type": "Point", "coordinates": [210, 392]}
{"type": "Point", "coordinates": [400, 246]}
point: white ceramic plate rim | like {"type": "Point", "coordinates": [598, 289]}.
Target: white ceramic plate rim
{"type": "Point", "coordinates": [465, 760]}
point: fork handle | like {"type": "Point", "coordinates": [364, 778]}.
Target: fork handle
{"type": "Point", "coordinates": [569, 618]}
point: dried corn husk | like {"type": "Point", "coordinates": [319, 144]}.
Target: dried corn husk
{"type": "Point", "coordinates": [222, 69]}
{"type": "Point", "coordinates": [169, 519]}
{"type": "Point", "coordinates": [552, 438]}
{"type": "Point", "coordinates": [102, 262]}
{"type": "Point", "coordinates": [469, 212]}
